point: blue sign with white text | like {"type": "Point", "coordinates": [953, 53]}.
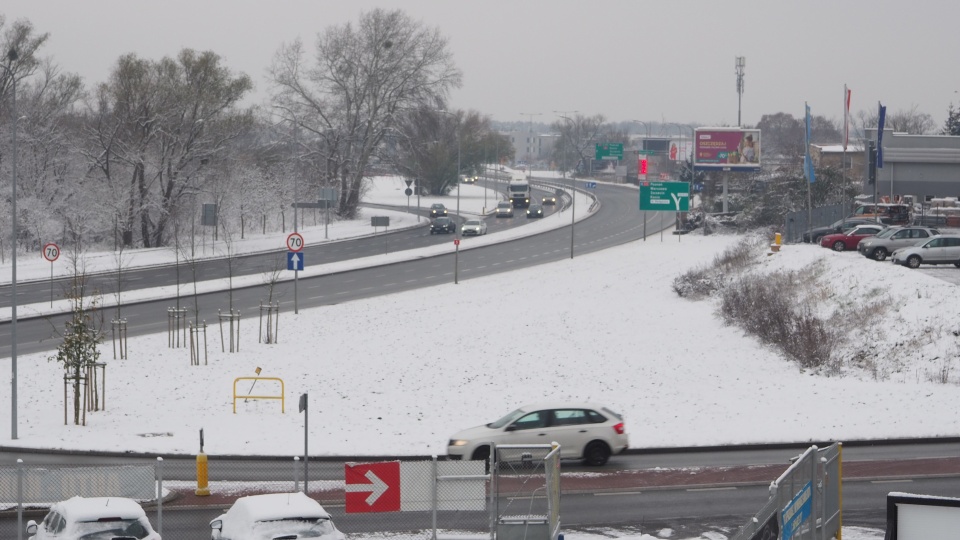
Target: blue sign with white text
{"type": "Point", "coordinates": [797, 512]}
{"type": "Point", "coordinates": [591, 185]}
{"type": "Point", "coordinates": [294, 260]}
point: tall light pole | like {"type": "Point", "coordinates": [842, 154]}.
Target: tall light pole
{"type": "Point", "coordinates": [573, 184]}
{"type": "Point", "coordinates": [529, 141]}
{"type": "Point", "coordinates": [12, 57]}
{"type": "Point", "coordinates": [456, 229]}
{"type": "Point", "coordinates": [740, 64]}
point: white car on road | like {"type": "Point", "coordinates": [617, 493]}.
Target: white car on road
{"type": "Point", "coordinates": [474, 227]}
{"type": "Point", "coordinates": [586, 431]}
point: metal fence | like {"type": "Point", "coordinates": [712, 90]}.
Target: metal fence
{"type": "Point", "coordinates": [805, 501]}
{"type": "Point", "coordinates": [795, 223]}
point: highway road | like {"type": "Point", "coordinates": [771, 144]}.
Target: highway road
{"type": "Point", "coordinates": [616, 222]}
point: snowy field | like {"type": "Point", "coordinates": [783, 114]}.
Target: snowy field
{"type": "Point", "coordinates": [384, 379]}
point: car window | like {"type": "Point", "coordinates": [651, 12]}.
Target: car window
{"type": "Point", "coordinates": [887, 233]}
{"type": "Point", "coordinates": [952, 242]}
{"type": "Point", "coordinates": [935, 232]}
{"type": "Point", "coordinates": [533, 420]}
{"type": "Point", "coordinates": [902, 234]}
{"type": "Point", "coordinates": [936, 242]}
{"type": "Point", "coordinates": [570, 417]}
{"type": "Point", "coordinates": [917, 233]}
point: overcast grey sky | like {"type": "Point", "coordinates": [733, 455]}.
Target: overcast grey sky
{"type": "Point", "coordinates": [662, 60]}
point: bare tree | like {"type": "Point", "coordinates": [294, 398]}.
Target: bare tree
{"type": "Point", "coordinates": [578, 135]}
{"type": "Point", "coordinates": [361, 77]}
{"type": "Point", "coordinates": [155, 126]}
{"type": "Point", "coordinates": [909, 121]}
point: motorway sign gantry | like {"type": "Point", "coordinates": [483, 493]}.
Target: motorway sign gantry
{"type": "Point", "coordinates": [665, 196]}
{"type": "Point", "coordinates": [609, 151]}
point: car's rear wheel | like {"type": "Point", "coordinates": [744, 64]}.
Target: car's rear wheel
{"type": "Point", "coordinates": [596, 453]}
{"type": "Point", "coordinates": [879, 254]}
{"type": "Point", "coordinates": [913, 261]}
{"type": "Point", "coordinates": [839, 246]}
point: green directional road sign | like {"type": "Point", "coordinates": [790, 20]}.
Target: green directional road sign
{"type": "Point", "coordinates": [665, 196]}
{"type": "Point", "coordinates": [609, 151]}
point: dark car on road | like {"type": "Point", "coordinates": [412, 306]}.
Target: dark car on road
{"type": "Point", "coordinates": [437, 210]}
{"type": "Point", "coordinates": [535, 211]}
{"type": "Point", "coordinates": [443, 225]}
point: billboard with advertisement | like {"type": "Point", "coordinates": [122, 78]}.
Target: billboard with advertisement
{"type": "Point", "coordinates": [727, 149]}
{"type": "Point", "coordinates": [680, 150]}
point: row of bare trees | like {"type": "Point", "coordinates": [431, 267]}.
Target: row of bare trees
{"type": "Point", "coordinates": [130, 160]}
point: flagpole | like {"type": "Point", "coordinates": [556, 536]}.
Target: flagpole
{"type": "Point", "coordinates": [807, 164]}
{"type": "Point", "coordinates": [846, 138]}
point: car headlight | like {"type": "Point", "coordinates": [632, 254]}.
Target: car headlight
{"type": "Point", "coordinates": [457, 442]}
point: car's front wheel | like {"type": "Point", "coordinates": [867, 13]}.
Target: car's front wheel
{"type": "Point", "coordinates": [913, 261]}
{"type": "Point", "coordinates": [596, 453]}
{"type": "Point", "coordinates": [879, 254]}
{"type": "Point", "coordinates": [839, 246]}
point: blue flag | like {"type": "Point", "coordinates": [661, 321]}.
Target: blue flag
{"type": "Point", "coordinates": [883, 116]}
{"type": "Point", "coordinates": [807, 161]}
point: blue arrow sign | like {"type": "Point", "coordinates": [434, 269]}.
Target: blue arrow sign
{"type": "Point", "coordinates": [591, 185]}
{"type": "Point", "coordinates": [294, 260]}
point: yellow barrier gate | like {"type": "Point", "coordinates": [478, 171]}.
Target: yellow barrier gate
{"type": "Point", "coordinates": [283, 403]}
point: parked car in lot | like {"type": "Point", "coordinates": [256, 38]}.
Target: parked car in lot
{"type": "Point", "coordinates": [586, 431]}
{"type": "Point", "coordinates": [535, 211]}
{"type": "Point", "coordinates": [839, 226]}
{"type": "Point", "coordinates": [442, 225]}
{"type": "Point", "coordinates": [437, 210]}
{"type": "Point", "coordinates": [474, 227]}
{"type": "Point", "coordinates": [274, 515]}
{"type": "Point", "coordinates": [943, 249]}
{"type": "Point", "coordinates": [93, 518]}
{"type": "Point", "coordinates": [505, 209]}
{"type": "Point", "coordinates": [893, 238]}
{"type": "Point", "coordinates": [888, 213]}
{"type": "Point", "coordinates": [850, 239]}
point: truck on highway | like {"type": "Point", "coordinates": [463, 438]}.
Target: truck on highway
{"type": "Point", "coordinates": [518, 191]}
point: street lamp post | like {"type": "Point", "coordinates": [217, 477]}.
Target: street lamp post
{"type": "Point", "coordinates": [456, 243]}
{"type": "Point", "coordinates": [741, 63]}
{"type": "Point", "coordinates": [529, 142]}
{"type": "Point", "coordinates": [573, 184]}
{"type": "Point", "coordinates": [12, 57]}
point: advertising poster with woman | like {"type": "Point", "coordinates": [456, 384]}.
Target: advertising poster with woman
{"type": "Point", "coordinates": [727, 148]}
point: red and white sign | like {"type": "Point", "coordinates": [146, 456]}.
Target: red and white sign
{"type": "Point", "coordinates": [51, 252]}
{"type": "Point", "coordinates": [372, 487]}
{"type": "Point", "coordinates": [294, 242]}
{"type": "Point", "coordinates": [456, 242]}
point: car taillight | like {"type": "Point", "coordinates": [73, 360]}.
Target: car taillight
{"type": "Point", "coordinates": [619, 428]}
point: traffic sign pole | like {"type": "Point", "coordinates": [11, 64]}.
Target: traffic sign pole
{"type": "Point", "coordinates": [295, 243]}
{"type": "Point", "coordinates": [51, 252]}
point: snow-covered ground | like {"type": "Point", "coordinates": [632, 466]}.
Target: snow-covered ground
{"type": "Point", "coordinates": [385, 378]}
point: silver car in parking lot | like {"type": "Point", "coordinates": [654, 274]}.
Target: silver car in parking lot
{"type": "Point", "coordinates": [891, 239]}
{"type": "Point", "coordinates": [937, 250]}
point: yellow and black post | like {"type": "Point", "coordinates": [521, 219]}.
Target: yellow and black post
{"type": "Point", "coordinates": [202, 489]}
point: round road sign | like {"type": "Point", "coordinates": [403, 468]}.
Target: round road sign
{"type": "Point", "coordinates": [51, 252]}
{"type": "Point", "coordinates": [294, 242]}
{"type": "Point", "coordinates": [456, 242]}
{"type": "Point", "coordinates": [408, 192]}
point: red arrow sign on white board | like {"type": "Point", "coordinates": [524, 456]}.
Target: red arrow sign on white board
{"type": "Point", "coordinates": [376, 487]}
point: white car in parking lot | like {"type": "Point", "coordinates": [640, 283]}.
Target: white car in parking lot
{"type": "Point", "coordinates": [584, 431]}
{"type": "Point", "coordinates": [937, 250]}
{"type": "Point", "coordinates": [274, 515]}
{"type": "Point", "coordinates": [94, 518]}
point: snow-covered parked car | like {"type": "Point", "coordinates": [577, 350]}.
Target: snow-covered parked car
{"type": "Point", "coordinates": [93, 517]}
{"type": "Point", "coordinates": [274, 515]}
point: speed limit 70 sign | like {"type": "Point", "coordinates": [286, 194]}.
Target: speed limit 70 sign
{"type": "Point", "coordinates": [294, 242]}
{"type": "Point", "coordinates": [51, 252]}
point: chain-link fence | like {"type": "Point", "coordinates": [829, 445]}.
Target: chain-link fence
{"type": "Point", "coordinates": [430, 499]}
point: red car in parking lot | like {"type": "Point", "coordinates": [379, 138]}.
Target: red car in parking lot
{"type": "Point", "coordinates": [849, 240]}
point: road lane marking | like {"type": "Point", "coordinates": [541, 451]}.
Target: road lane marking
{"type": "Point", "coordinates": [731, 488]}
{"type": "Point", "coordinates": [618, 493]}
{"type": "Point", "coordinates": [899, 481]}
